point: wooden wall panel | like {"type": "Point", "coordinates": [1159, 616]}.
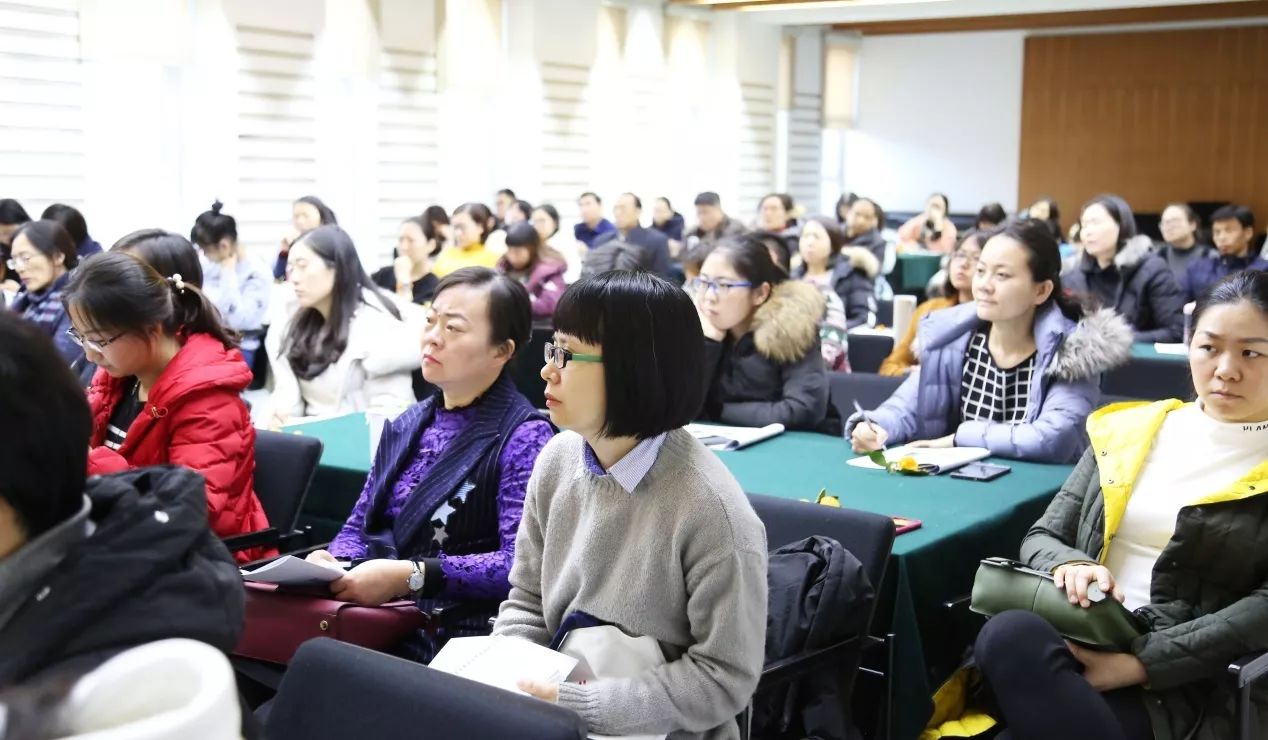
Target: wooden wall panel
{"type": "Point", "coordinates": [1153, 116]}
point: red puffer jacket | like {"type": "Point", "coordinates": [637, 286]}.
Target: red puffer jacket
{"type": "Point", "coordinates": [194, 417]}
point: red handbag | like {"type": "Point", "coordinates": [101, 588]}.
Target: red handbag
{"type": "Point", "coordinates": [279, 621]}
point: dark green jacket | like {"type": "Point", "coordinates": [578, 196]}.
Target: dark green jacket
{"type": "Point", "coordinates": [1210, 584]}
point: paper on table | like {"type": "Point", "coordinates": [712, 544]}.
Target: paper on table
{"type": "Point", "coordinates": [944, 459]}
{"type": "Point", "coordinates": [1170, 349]}
{"type": "Point", "coordinates": [732, 438]}
{"type": "Point", "coordinates": [291, 571]}
{"type": "Point", "coordinates": [502, 661]}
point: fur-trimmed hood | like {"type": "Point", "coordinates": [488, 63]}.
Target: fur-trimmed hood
{"type": "Point", "coordinates": [786, 326]}
{"type": "Point", "coordinates": [1130, 256]}
{"type": "Point", "coordinates": [1098, 342]}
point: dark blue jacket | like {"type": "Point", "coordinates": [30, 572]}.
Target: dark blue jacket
{"type": "Point", "coordinates": [591, 236]}
{"type": "Point", "coordinates": [672, 229]}
{"type": "Point", "coordinates": [1204, 273]}
{"type": "Point", "coordinates": [652, 241]}
{"type": "Point", "coordinates": [1139, 286]}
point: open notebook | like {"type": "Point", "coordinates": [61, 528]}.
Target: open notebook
{"type": "Point", "coordinates": [941, 459]}
{"type": "Point", "coordinates": [501, 661]}
{"type": "Point", "coordinates": [289, 570]}
{"type": "Point", "coordinates": [717, 437]}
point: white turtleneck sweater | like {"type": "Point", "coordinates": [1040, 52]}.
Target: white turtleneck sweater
{"type": "Point", "coordinates": [1193, 456]}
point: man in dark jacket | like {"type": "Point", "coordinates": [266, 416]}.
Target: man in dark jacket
{"type": "Point", "coordinates": [712, 223]}
{"type": "Point", "coordinates": [1232, 230]}
{"type": "Point", "coordinates": [627, 211]}
{"type": "Point", "coordinates": [1138, 285]}
{"type": "Point", "coordinates": [593, 225]}
{"type": "Point", "coordinates": [89, 569]}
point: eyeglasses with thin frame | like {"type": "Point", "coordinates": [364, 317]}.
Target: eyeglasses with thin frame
{"type": "Point", "coordinates": [21, 260]}
{"type": "Point", "coordinates": [560, 357]}
{"type": "Point", "coordinates": [703, 285]}
{"type": "Point", "coordinates": [92, 344]}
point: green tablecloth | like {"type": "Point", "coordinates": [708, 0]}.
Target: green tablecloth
{"type": "Point", "coordinates": [963, 522]}
{"type": "Point", "coordinates": [1146, 351]}
{"type": "Point", "coordinates": [913, 271]}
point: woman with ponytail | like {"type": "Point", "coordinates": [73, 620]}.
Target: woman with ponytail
{"type": "Point", "coordinates": [167, 385]}
{"type": "Point", "coordinates": [1016, 371]}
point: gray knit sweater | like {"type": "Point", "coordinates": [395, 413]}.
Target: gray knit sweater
{"type": "Point", "coordinates": [681, 559]}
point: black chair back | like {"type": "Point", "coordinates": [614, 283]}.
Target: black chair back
{"type": "Point", "coordinates": [526, 372]}
{"type": "Point", "coordinates": [868, 351]}
{"type": "Point", "coordinates": [336, 691]}
{"type": "Point", "coordinates": [869, 537]}
{"type": "Point", "coordinates": [284, 469]}
{"type": "Point", "coordinates": [885, 312]}
{"type": "Point", "coordinates": [869, 389]}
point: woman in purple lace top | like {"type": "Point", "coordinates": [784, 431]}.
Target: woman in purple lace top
{"type": "Point", "coordinates": [437, 518]}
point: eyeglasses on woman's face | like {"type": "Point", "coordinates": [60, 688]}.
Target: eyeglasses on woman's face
{"type": "Point", "coordinates": [96, 345]}
{"type": "Point", "coordinates": [722, 288]}
{"type": "Point", "coordinates": [560, 357]}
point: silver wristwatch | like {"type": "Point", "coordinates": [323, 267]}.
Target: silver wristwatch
{"type": "Point", "coordinates": [416, 580]}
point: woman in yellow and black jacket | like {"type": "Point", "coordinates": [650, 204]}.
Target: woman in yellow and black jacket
{"type": "Point", "coordinates": [1165, 512]}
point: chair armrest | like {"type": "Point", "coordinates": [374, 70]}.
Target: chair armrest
{"type": "Point", "coordinates": [449, 614]}
{"type": "Point", "coordinates": [1249, 669]}
{"type": "Point", "coordinates": [238, 542]}
{"type": "Point", "coordinates": [795, 666]}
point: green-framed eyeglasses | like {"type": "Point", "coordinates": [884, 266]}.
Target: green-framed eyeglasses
{"type": "Point", "coordinates": [560, 357]}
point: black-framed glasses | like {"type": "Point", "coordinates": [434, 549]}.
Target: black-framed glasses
{"type": "Point", "coordinates": [560, 357]}
{"type": "Point", "coordinates": [92, 344]}
{"type": "Point", "coordinates": [703, 285]}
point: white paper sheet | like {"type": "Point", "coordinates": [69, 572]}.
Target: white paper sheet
{"type": "Point", "coordinates": [945, 458]}
{"type": "Point", "coordinates": [717, 437]}
{"type": "Point", "coordinates": [291, 571]}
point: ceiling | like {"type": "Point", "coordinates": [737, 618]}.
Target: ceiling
{"type": "Point", "coordinates": [850, 12]}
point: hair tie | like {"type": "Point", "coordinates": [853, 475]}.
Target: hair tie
{"type": "Point", "coordinates": [177, 282]}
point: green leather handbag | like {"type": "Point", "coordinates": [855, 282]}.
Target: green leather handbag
{"type": "Point", "coordinates": [1003, 584]}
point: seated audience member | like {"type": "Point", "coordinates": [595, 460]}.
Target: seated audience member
{"type": "Point", "coordinates": [12, 216]}
{"type": "Point", "coordinates": [712, 224]}
{"type": "Point", "coordinates": [833, 333]}
{"type": "Point", "coordinates": [439, 220]}
{"type": "Point", "coordinates": [958, 289]}
{"type": "Point", "coordinates": [762, 358]}
{"type": "Point", "coordinates": [1180, 246]}
{"type": "Point", "coordinates": [502, 202]}
{"type": "Point", "coordinates": [1166, 512]}
{"type": "Point", "coordinates": [931, 229]}
{"type": "Point", "coordinates": [307, 213]}
{"type": "Point", "coordinates": [237, 283]}
{"type": "Point", "coordinates": [1046, 210]}
{"type": "Point", "coordinates": [526, 263]}
{"type": "Point", "coordinates": [1017, 371]}
{"type": "Point", "coordinates": [421, 528]}
{"type": "Point", "coordinates": [90, 568]}
{"type": "Point", "coordinates": [73, 221]}
{"type": "Point", "coordinates": [545, 220]}
{"type": "Point", "coordinates": [518, 212]}
{"type": "Point", "coordinates": [692, 260]}
{"type": "Point", "coordinates": [1118, 271]}
{"type": "Point", "coordinates": [593, 225]}
{"type": "Point", "coordinates": [849, 272]}
{"type": "Point", "coordinates": [776, 214]}
{"type": "Point", "coordinates": [1232, 230]}
{"type": "Point", "coordinates": [668, 222]}
{"type": "Point", "coordinates": [169, 254]}
{"type": "Point", "coordinates": [471, 226]}
{"type": "Point", "coordinates": [42, 257]}
{"type": "Point", "coordinates": [345, 347]}
{"type": "Point", "coordinates": [167, 385]}
{"type": "Point", "coordinates": [990, 216]}
{"type": "Point", "coordinates": [843, 208]}
{"type": "Point", "coordinates": [625, 478]}
{"type": "Point", "coordinates": [863, 224]}
{"type": "Point", "coordinates": [627, 211]}
{"type": "Point", "coordinates": [410, 276]}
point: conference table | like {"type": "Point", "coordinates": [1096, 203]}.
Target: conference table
{"type": "Point", "coordinates": [963, 522]}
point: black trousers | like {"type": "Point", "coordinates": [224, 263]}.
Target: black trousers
{"type": "Point", "coordinates": [1039, 687]}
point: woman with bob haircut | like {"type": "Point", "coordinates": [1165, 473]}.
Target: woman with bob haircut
{"type": "Point", "coordinates": [622, 378]}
